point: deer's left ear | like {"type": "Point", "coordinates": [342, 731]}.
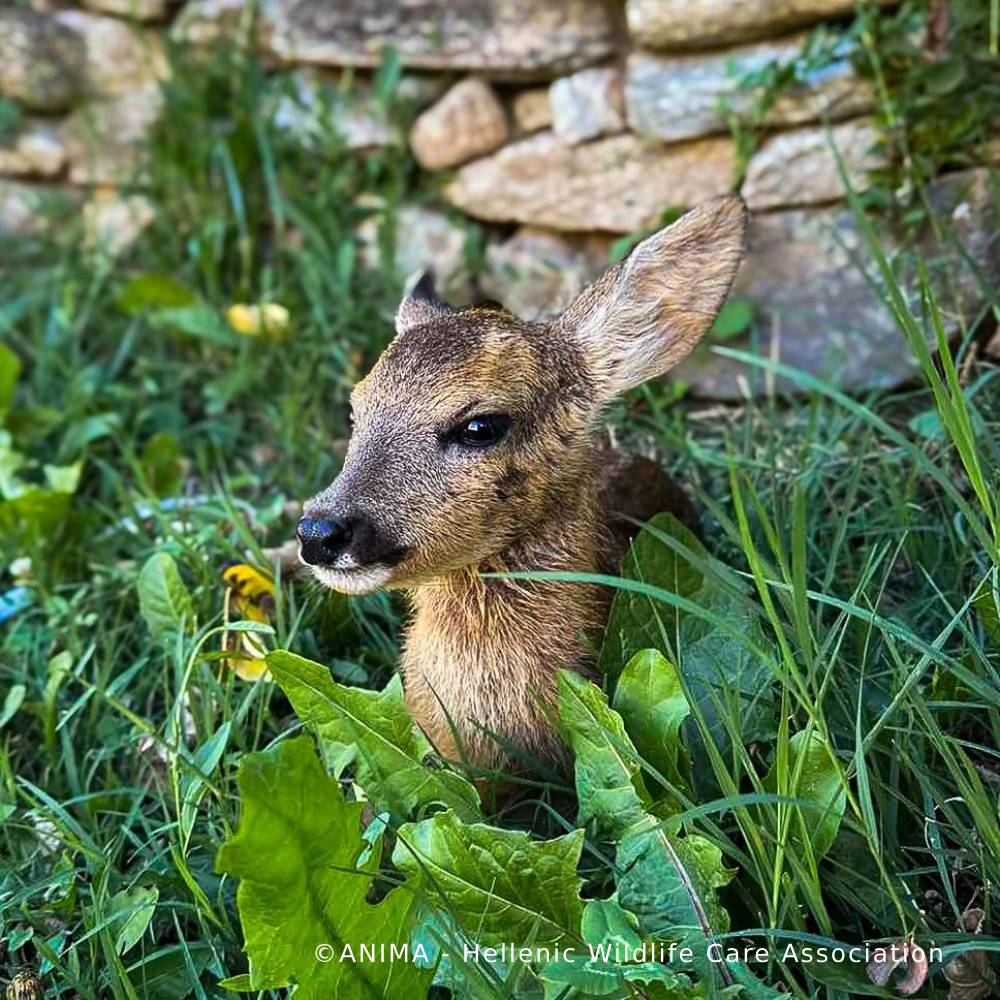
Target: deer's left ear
{"type": "Point", "coordinates": [644, 315]}
{"type": "Point", "coordinates": [420, 304]}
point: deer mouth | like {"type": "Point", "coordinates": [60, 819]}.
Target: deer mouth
{"type": "Point", "coordinates": [353, 579]}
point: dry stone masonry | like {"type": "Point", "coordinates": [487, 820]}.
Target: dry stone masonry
{"type": "Point", "coordinates": [618, 184]}
{"type": "Point", "coordinates": [685, 96]}
{"type": "Point", "coordinates": [557, 125]}
{"type": "Point", "coordinates": [469, 121]}
{"type": "Point", "coordinates": [698, 24]}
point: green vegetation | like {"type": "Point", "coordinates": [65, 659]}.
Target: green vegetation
{"type": "Point", "coordinates": [932, 67]}
{"type": "Point", "coordinates": [797, 743]}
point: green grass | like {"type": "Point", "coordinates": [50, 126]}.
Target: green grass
{"type": "Point", "coordinates": [851, 561]}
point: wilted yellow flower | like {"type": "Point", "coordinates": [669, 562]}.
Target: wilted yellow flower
{"type": "Point", "coordinates": [251, 594]}
{"type": "Point", "coordinates": [25, 986]}
{"type": "Point", "coordinates": [266, 320]}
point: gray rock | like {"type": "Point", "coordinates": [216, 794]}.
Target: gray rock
{"type": "Point", "coordinates": [118, 58]}
{"type": "Point", "coordinates": [41, 61]}
{"type": "Point", "coordinates": [688, 24]}
{"type": "Point", "coordinates": [800, 168]}
{"type": "Point", "coordinates": [588, 104]}
{"type": "Point", "coordinates": [517, 38]}
{"type": "Point", "coordinates": [678, 97]}
{"type": "Point", "coordinates": [537, 273]}
{"type": "Point", "coordinates": [29, 210]}
{"type": "Point", "coordinates": [425, 239]}
{"type": "Point", "coordinates": [104, 140]}
{"type": "Point", "coordinates": [317, 107]}
{"type": "Point", "coordinates": [618, 184]}
{"type": "Point", "coordinates": [204, 23]}
{"type": "Point", "coordinates": [112, 222]}
{"type": "Point", "coordinates": [816, 312]}
{"type": "Point", "coordinates": [140, 10]}
{"type": "Point", "coordinates": [531, 110]}
{"type": "Point", "coordinates": [36, 150]}
{"type": "Point", "coordinates": [467, 122]}
{"type": "Point", "coordinates": [420, 89]}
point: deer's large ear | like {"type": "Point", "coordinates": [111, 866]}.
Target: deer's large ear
{"type": "Point", "coordinates": [645, 314]}
{"type": "Point", "coordinates": [420, 304]}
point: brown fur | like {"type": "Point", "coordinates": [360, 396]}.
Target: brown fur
{"type": "Point", "coordinates": [481, 652]}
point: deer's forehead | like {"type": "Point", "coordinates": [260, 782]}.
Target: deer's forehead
{"type": "Point", "coordinates": [442, 367]}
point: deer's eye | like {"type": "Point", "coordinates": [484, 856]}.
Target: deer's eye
{"type": "Point", "coordinates": [483, 430]}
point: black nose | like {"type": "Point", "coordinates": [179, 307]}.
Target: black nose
{"type": "Point", "coordinates": [323, 539]}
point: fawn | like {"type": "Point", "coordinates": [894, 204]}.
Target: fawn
{"type": "Point", "coordinates": [474, 451]}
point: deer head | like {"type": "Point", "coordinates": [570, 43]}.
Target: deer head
{"type": "Point", "coordinates": [475, 427]}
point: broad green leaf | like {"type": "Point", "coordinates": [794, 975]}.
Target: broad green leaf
{"type": "Point", "coordinates": [34, 516]}
{"type": "Point", "coordinates": [12, 466]}
{"type": "Point", "coordinates": [667, 881]}
{"type": "Point", "coordinates": [198, 321]}
{"type": "Point", "coordinates": [751, 988]}
{"type": "Point", "coordinates": [735, 317]}
{"type": "Point", "coordinates": [499, 885]}
{"type": "Point", "coordinates": [930, 426]}
{"type": "Point", "coordinates": [11, 703]}
{"type": "Point", "coordinates": [635, 620]}
{"type": "Point", "coordinates": [82, 433]}
{"type": "Point", "coordinates": [161, 463]}
{"type": "Point", "coordinates": [236, 984]}
{"type": "Point", "coordinates": [722, 673]}
{"type": "Point", "coordinates": [468, 975]}
{"type": "Point", "coordinates": [154, 291]}
{"type": "Point", "coordinates": [132, 910]}
{"type": "Point", "coordinates": [391, 751]}
{"type": "Point", "coordinates": [725, 678]}
{"type": "Point", "coordinates": [613, 957]}
{"type": "Point", "coordinates": [670, 883]}
{"type": "Point", "coordinates": [945, 77]}
{"type": "Point", "coordinates": [163, 599]}
{"type": "Point", "coordinates": [167, 974]}
{"type": "Point", "coordinates": [818, 782]}
{"type": "Point", "coordinates": [595, 977]}
{"type": "Point", "coordinates": [609, 785]}
{"type": "Point", "coordinates": [927, 424]}
{"type": "Point", "coordinates": [607, 922]}
{"type": "Point", "coordinates": [192, 785]}
{"type": "Point", "coordinates": [296, 853]}
{"type": "Point", "coordinates": [650, 699]}
{"type": "Point", "coordinates": [58, 670]}
{"type": "Point", "coordinates": [10, 371]}
{"type": "Point", "coordinates": [63, 478]}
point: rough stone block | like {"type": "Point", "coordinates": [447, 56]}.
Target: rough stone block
{"type": "Point", "coordinates": [815, 310]}
{"type": "Point", "coordinates": [617, 184]}
{"type": "Point", "coordinates": [800, 167]}
{"type": "Point", "coordinates": [678, 97]}
{"type": "Point", "coordinates": [684, 24]}
{"type": "Point", "coordinates": [41, 61]}
{"type": "Point", "coordinates": [588, 104]}
{"type": "Point", "coordinates": [532, 111]}
{"type": "Point", "coordinates": [469, 121]}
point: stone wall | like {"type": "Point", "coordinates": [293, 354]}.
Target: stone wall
{"type": "Point", "coordinates": [560, 124]}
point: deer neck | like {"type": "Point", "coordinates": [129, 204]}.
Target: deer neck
{"type": "Point", "coordinates": [477, 605]}
{"type": "Point", "coordinates": [481, 651]}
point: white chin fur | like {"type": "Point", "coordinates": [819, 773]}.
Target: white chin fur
{"type": "Point", "coordinates": [362, 580]}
